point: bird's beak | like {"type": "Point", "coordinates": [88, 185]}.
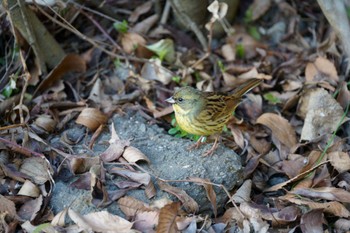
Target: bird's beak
{"type": "Point", "coordinates": [170, 100]}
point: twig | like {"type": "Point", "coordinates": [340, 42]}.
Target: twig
{"type": "Point", "coordinates": [20, 149]}
{"type": "Point", "coordinates": [72, 29]}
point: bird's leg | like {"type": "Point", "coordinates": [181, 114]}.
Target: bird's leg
{"type": "Point", "coordinates": [213, 148]}
{"type": "Point", "coordinates": [197, 144]}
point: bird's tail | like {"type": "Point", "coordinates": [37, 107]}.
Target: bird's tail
{"type": "Point", "coordinates": [245, 87]}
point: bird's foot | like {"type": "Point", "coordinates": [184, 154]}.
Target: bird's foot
{"type": "Point", "coordinates": [199, 142]}
{"type": "Point", "coordinates": [212, 149]}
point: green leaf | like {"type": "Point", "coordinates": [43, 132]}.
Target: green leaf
{"type": "Point", "coordinates": [173, 131]}
{"type": "Point", "coordinates": [221, 66]}
{"type": "Point", "coordinates": [10, 87]}
{"type": "Point", "coordinates": [164, 49]}
{"type": "Point", "coordinates": [121, 27]}
{"type": "Point", "coordinates": [271, 98]}
{"type": "Point", "coordinates": [253, 31]}
{"type": "Point", "coordinates": [41, 227]}
{"type": "Point", "coordinates": [240, 51]}
{"type": "Point", "coordinates": [248, 17]}
{"type": "Point", "coordinates": [176, 79]}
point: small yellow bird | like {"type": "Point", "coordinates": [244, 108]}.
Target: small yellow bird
{"type": "Point", "coordinates": [206, 113]}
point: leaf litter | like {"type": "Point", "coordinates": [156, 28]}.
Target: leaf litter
{"type": "Point", "coordinates": [292, 130]}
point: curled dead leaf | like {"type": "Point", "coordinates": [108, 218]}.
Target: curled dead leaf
{"type": "Point", "coordinates": [92, 118]}
{"type": "Point", "coordinates": [133, 155]}
{"type": "Point", "coordinates": [46, 123]}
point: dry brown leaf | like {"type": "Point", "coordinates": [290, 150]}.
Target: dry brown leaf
{"type": "Point", "coordinates": [92, 118]}
{"type": "Point", "coordinates": [8, 208]}
{"type": "Point", "coordinates": [167, 217]}
{"type": "Point", "coordinates": [140, 10]}
{"type": "Point", "coordinates": [150, 190]}
{"type": "Point", "coordinates": [188, 202]}
{"type": "Point", "coordinates": [59, 219]}
{"type": "Point", "coordinates": [132, 40]}
{"type": "Point", "coordinates": [38, 169]}
{"type": "Point", "coordinates": [327, 193]}
{"type": "Point", "coordinates": [144, 26]}
{"type": "Point", "coordinates": [211, 195]}
{"type": "Point", "coordinates": [340, 161]}
{"type": "Point", "coordinates": [143, 178]}
{"type": "Point", "coordinates": [153, 70]}
{"type": "Point", "coordinates": [296, 178]}
{"type": "Point", "coordinates": [130, 206]}
{"type": "Point", "coordinates": [343, 97]}
{"type": "Point", "coordinates": [312, 221]}
{"type": "Point", "coordinates": [116, 146]}
{"type": "Point", "coordinates": [259, 8]}
{"type": "Point", "coordinates": [71, 62]}
{"type": "Point", "coordinates": [46, 123]}
{"type": "Point", "coordinates": [280, 128]}
{"type": "Point", "coordinates": [30, 209]}
{"type": "Point", "coordinates": [101, 222]}
{"type": "Point", "coordinates": [321, 69]}
{"type": "Point", "coordinates": [231, 215]}
{"type": "Point", "coordinates": [133, 155]}
{"type": "Point", "coordinates": [342, 225]}
{"type": "Point", "coordinates": [243, 193]}
{"type": "Point", "coordinates": [146, 221]}
{"type": "Point", "coordinates": [332, 207]}
{"type": "Point", "coordinates": [29, 189]}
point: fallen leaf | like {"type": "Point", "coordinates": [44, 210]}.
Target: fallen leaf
{"type": "Point", "coordinates": [38, 169]}
{"type": "Point", "coordinates": [209, 190]}
{"type": "Point", "coordinates": [332, 207]}
{"type": "Point", "coordinates": [342, 225]}
{"type": "Point", "coordinates": [243, 193]}
{"type": "Point", "coordinates": [280, 127]}
{"type": "Point", "coordinates": [101, 222]}
{"type": "Point", "coordinates": [29, 189]}
{"type": "Point", "coordinates": [311, 222]}
{"type": "Point", "coordinates": [132, 40]}
{"type": "Point", "coordinates": [71, 62]}
{"type": "Point", "coordinates": [140, 10]}
{"type": "Point", "coordinates": [340, 161]}
{"type": "Point", "coordinates": [8, 207]}
{"type": "Point", "coordinates": [59, 219]}
{"type": "Point", "coordinates": [143, 178]}
{"type": "Point", "coordinates": [133, 155]}
{"type": "Point", "coordinates": [92, 118]}
{"type": "Point", "coordinates": [167, 217]}
{"type": "Point", "coordinates": [146, 221]}
{"type": "Point", "coordinates": [188, 202]}
{"type": "Point", "coordinates": [327, 193]}
{"type": "Point", "coordinates": [130, 206]}
{"type": "Point", "coordinates": [321, 70]}
{"type": "Point", "coordinates": [30, 209]}
{"type": "Point", "coordinates": [116, 146]}
{"type": "Point", "coordinates": [259, 8]}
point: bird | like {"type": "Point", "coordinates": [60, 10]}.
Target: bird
{"type": "Point", "coordinates": [206, 113]}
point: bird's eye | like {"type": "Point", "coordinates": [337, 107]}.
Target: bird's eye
{"type": "Point", "coordinates": [180, 99]}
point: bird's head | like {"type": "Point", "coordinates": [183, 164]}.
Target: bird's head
{"type": "Point", "coordinates": [185, 99]}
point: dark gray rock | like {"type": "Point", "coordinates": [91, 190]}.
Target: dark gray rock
{"type": "Point", "coordinates": [170, 160]}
